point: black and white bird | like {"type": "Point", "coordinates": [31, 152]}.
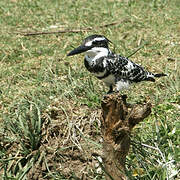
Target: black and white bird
{"type": "Point", "coordinates": [113, 69]}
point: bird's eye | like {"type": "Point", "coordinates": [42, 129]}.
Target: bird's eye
{"type": "Point", "coordinates": [95, 42]}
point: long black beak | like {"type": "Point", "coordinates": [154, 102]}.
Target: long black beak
{"type": "Point", "coordinates": [79, 50]}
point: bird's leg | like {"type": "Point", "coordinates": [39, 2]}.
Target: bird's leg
{"type": "Point", "coordinates": [124, 97]}
{"type": "Point", "coordinates": [110, 90]}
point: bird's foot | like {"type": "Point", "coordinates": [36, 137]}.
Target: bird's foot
{"type": "Point", "coordinates": [124, 97]}
{"type": "Point", "coordinates": [109, 93]}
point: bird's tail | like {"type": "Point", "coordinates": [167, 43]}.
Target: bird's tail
{"type": "Point", "coordinates": [160, 75]}
{"type": "Point", "coordinates": [151, 76]}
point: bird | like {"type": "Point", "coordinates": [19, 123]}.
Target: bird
{"type": "Point", "coordinates": [116, 71]}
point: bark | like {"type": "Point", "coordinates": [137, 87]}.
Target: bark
{"type": "Point", "coordinates": [118, 120]}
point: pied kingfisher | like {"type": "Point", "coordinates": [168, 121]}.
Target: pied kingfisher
{"type": "Point", "coordinates": [115, 70]}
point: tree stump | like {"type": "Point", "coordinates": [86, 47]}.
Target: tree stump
{"type": "Point", "coordinates": [118, 119]}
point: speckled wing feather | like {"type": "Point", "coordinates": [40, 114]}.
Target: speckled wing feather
{"type": "Point", "coordinates": [123, 68]}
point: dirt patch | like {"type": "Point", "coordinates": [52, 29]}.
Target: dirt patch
{"type": "Point", "coordinates": [70, 138]}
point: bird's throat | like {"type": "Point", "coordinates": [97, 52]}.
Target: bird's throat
{"type": "Point", "coordinates": [95, 53]}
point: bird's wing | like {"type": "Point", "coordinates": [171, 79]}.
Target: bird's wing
{"type": "Point", "coordinates": [124, 68]}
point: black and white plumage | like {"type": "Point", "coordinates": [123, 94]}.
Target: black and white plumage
{"type": "Point", "coordinates": [109, 67]}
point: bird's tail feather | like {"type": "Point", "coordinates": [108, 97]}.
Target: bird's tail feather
{"type": "Point", "coordinates": [149, 79]}
{"type": "Point", "coordinates": [152, 77]}
{"type": "Point", "coordinates": [160, 75]}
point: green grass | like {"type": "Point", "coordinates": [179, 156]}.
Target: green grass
{"type": "Point", "coordinates": [50, 104]}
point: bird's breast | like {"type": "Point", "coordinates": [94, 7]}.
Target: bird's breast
{"type": "Point", "coordinates": [94, 65]}
{"type": "Point", "coordinates": [122, 84]}
{"type": "Point", "coordinates": [88, 64]}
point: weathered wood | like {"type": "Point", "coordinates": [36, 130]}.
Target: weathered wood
{"type": "Point", "coordinates": [118, 119]}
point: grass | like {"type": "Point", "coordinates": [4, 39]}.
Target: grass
{"type": "Point", "coordinates": [50, 104]}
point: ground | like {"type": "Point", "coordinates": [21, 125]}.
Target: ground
{"type": "Point", "coordinates": [51, 106]}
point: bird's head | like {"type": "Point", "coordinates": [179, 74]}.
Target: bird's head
{"type": "Point", "coordinates": [92, 45]}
